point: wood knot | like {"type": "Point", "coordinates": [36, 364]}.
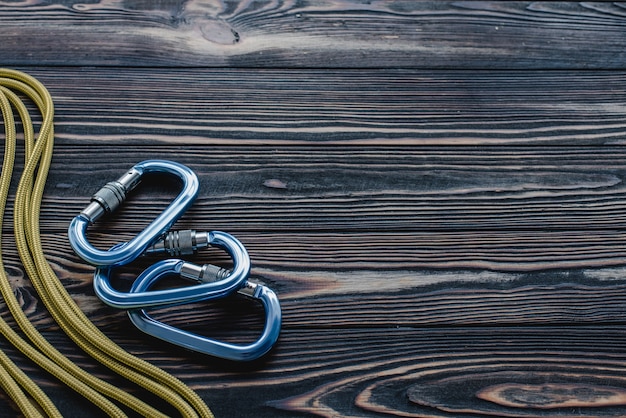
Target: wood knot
{"type": "Point", "coordinates": [219, 32]}
{"type": "Point", "coordinates": [553, 395]}
{"type": "Point", "coordinates": [275, 184]}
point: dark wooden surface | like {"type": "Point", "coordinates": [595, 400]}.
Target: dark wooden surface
{"type": "Point", "coordinates": [434, 189]}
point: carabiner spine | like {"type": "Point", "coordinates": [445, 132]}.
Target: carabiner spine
{"type": "Point", "coordinates": [229, 351]}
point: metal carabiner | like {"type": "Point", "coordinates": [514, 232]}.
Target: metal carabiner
{"type": "Point", "coordinates": [215, 282]}
{"type": "Point", "coordinates": [112, 195]}
{"type": "Point", "coordinates": [195, 342]}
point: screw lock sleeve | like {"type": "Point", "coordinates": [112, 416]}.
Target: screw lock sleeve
{"type": "Point", "coordinates": [111, 195]}
{"type": "Point", "coordinates": [205, 273]}
{"type": "Point", "coordinates": [177, 243]}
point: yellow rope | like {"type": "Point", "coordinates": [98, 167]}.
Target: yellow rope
{"type": "Point", "coordinates": [12, 379]}
{"type": "Point", "coordinates": [54, 296]}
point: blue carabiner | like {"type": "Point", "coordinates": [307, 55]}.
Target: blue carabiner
{"type": "Point", "coordinates": [112, 195]}
{"type": "Point", "coordinates": [195, 342]}
{"type": "Point", "coordinates": [215, 282]}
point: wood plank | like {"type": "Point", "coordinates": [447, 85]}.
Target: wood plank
{"type": "Point", "coordinates": [365, 107]}
{"type": "Point", "coordinates": [367, 298]}
{"type": "Point", "coordinates": [373, 295]}
{"type": "Point", "coordinates": [381, 208]}
{"type": "Point", "coordinates": [400, 371]}
{"type": "Point", "coordinates": [333, 34]}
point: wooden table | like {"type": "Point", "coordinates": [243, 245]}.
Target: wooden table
{"type": "Point", "coordinates": [434, 189]}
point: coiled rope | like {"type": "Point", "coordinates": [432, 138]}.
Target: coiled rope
{"type": "Point", "coordinates": [28, 397]}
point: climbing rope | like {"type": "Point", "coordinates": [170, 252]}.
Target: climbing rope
{"type": "Point", "coordinates": [19, 387]}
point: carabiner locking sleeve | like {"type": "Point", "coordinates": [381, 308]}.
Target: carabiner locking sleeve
{"type": "Point", "coordinates": [195, 342]}
{"type": "Point", "coordinates": [215, 282]}
{"type": "Point", "coordinates": [108, 198]}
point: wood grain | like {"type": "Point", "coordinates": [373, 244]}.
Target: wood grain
{"type": "Point", "coordinates": [384, 208]}
{"type": "Point", "coordinates": [366, 297]}
{"type": "Point", "coordinates": [333, 34]}
{"type": "Point", "coordinates": [435, 190]}
{"type": "Point", "coordinates": [344, 107]}
{"type": "Point", "coordinates": [401, 371]}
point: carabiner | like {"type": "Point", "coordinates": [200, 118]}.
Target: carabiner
{"type": "Point", "coordinates": [112, 195]}
{"type": "Point", "coordinates": [195, 342]}
{"type": "Point", "coordinates": [215, 282]}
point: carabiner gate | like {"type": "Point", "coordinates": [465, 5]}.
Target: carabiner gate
{"type": "Point", "coordinates": [215, 282]}
{"type": "Point", "coordinates": [108, 198]}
